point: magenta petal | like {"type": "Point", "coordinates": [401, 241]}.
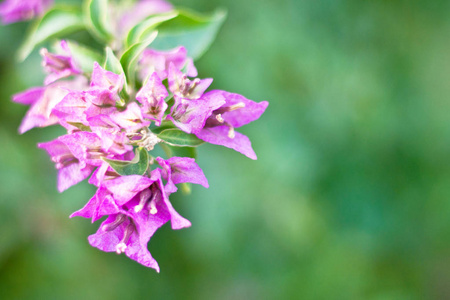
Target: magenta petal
{"type": "Point", "coordinates": [219, 136]}
{"type": "Point", "coordinates": [70, 172]}
{"type": "Point", "coordinates": [102, 79]}
{"type": "Point", "coordinates": [250, 112]}
{"type": "Point", "coordinates": [185, 169]}
{"type": "Point", "coordinates": [190, 115]}
{"type": "Point", "coordinates": [72, 175]}
{"type": "Point", "coordinates": [130, 119]}
{"type": "Point", "coordinates": [29, 96]}
{"type": "Point", "coordinates": [136, 244]}
{"type": "Point", "coordinates": [124, 188]}
{"type": "Point", "coordinates": [19, 10]}
{"type": "Point", "coordinates": [152, 97]}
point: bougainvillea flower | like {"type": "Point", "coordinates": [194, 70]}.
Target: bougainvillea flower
{"type": "Point", "coordinates": [180, 85]}
{"type": "Point", "coordinates": [19, 10]}
{"type": "Point", "coordinates": [70, 170]}
{"type": "Point", "coordinates": [159, 62]}
{"type": "Point", "coordinates": [152, 97]}
{"type": "Point", "coordinates": [58, 65]}
{"type": "Point", "coordinates": [131, 118]}
{"type": "Point", "coordinates": [101, 204]}
{"type": "Point", "coordinates": [85, 146]}
{"type": "Point", "coordinates": [236, 112]}
{"type": "Point", "coordinates": [42, 101]}
{"type": "Point", "coordinates": [124, 188]}
{"type": "Point", "coordinates": [130, 233]}
{"type": "Point", "coordinates": [180, 170]}
{"type": "Point", "coordinates": [106, 80]}
{"type": "Point", "coordinates": [191, 115]}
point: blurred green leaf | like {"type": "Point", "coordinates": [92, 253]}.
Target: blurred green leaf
{"type": "Point", "coordinates": [194, 31]}
{"type": "Point", "coordinates": [96, 19]}
{"type": "Point", "coordinates": [143, 30]}
{"type": "Point", "coordinates": [131, 55]}
{"type": "Point", "coordinates": [137, 166]}
{"type": "Point", "coordinates": [178, 138]}
{"type": "Point", "coordinates": [112, 64]}
{"type": "Point", "coordinates": [58, 21]}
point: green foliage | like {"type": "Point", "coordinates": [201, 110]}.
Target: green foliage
{"type": "Point", "coordinates": [176, 137]}
{"type": "Point", "coordinates": [57, 22]}
{"type": "Point", "coordinates": [137, 166]}
{"type": "Point", "coordinates": [194, 31]}
{"type": "Point", "coordinates": [130, 57]}
{"type": "Point", "coordinates": [96, 18]}
{"type": "Point", "coordinates": [142, 31]}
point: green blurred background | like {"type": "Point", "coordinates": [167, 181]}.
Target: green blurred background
{"type": "Point", "coordinates": [349, 197]}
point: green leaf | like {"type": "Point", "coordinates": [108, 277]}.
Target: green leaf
{"type": "Point", "coordinates": [80, 126]}
{"type": "Point", "coordinates": [112, 63]}
{"type": "Point", "coordinates": [96, 18]}
{"type": "Point", "coordinates": [178, 138]}
{"type": "Point", "coordinates": [144, 29]}
{"type": "Point", "coordinates": [56, 22]}
{"type": "Point", "coordinates": [194, 31]}
{"type": "Point", "coordinates": [83, 55]}
{"type": "Point", "coordinates": [164, 125]}
{"type": "Point", "coordinates": [131, 55]}
{"type": "Point", "coordinates": [137, 166]}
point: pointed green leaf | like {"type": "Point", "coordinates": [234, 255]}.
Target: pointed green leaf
{"type": "Point", "coordinates": [144, 29]}
{"type": "Point", "coordinates": [137, 166]}
{"type": "Point", "coordinates": [178, 138]}
{"type": "Point", "coordinates": [131, 55]}
{"type": "Point", "coordinates": [194, 31]}
{"type": "Point", "coordinates": [56, 22]}
{"type": "Point", "coordinates": [96, 18]}
{"type": "Point", "coordinates": [112, 63]}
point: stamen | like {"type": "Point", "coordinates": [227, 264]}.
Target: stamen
{"type": "Point", "coordinates": [152, 205]}
{"type": "Point", "coordinates": [144, 196]}
{"type": "Point", "coordinates": [231, 134]}
{"type": "Point", "coordinates": [219, 118]}
{"type": "Point", "coordinates": [122, 245]}
{"type": "Point", "coordinates": [236, 106]}
{"type": "Point", "coordinates": [120, 218]}
{"type": "Point", "coordinates": [64, 160]}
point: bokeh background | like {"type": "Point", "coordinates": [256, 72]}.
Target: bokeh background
{"type": "Point", "coordinates": [350, 195]}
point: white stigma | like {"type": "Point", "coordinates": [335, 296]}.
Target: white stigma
{"type": "Point", "coordinates": [120, 248]}
{"type": "Point", "coordinates": [219, 118]}
{"type": "Point", "coordinates": [231, 134]}
{"type": "Point", "coordinates": [138, 208]}
{"type": "Point", "coordinates": [153, 209]}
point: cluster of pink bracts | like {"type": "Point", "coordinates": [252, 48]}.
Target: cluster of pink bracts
{"type": "Point", "coordinates": [105, 127]}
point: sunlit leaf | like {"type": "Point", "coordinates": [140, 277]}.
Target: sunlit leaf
{"type": "Point", "coordinates": [96, 17]}
{"type": "Point", "coordinates": [56, 22]}
{"type": "Point", "coordinates": [131, 55]}
{"type": "Point", "coordinates": [176, 137]}
{"type": "Point", "coordinates": [144, 29]}
{"type": "Point", "coordinates": [193, 31]}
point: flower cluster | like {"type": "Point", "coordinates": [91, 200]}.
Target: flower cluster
{"type": "Point", "coordinates": [104, 130]}
{"type": "Point", "coordinates": [114, 120]}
